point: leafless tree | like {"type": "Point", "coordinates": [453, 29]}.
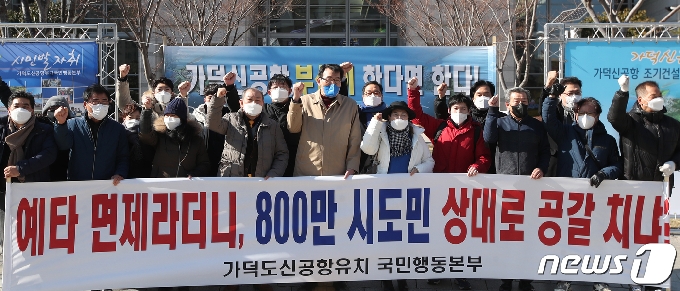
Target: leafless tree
{"type": "Point", "coordinates": [138, 18]}
{"type": "Point", "coordinates": [612, 12]}
{"type": "Point", "coordinates": [214, 22]}
{"type": "Point", "coordinates": [470, 23]}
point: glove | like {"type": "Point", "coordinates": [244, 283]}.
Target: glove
{"type": "Point", "coordinates": [597, 179]}
{"type": "Point", "coordinates": [624, 83]}
{"type": "Point", "coordinates": [556, 90]}
{"type": "Point", "coordinates": [667, 168]}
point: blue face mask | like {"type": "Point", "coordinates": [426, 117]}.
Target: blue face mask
{"type": "Point", "coordinates": [331, 91]}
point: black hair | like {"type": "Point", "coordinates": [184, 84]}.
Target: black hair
{"type": "Point", "coordinates": [335, 67]}
{"type": "Point", "coordinates": [380, 87]}
{"type": "Point", "coordinates": [642, 88]}
{"type": "Point", "coordinates": [278, 79]}
{"type": "Point", "coordinates": [598, 107]}
{"type": "Point", "coordinates": [571, 80]}
{"type": "Point", "coordinates": [163, 80]}
{"type": "Point", "coordinates": [22, 94]}
{"type": "Point", "coordinates": [95, 88]}
{"type": "Point", "coordinates": [482, 83]}
{"type": "Point", "coordinates": [211, 89]}
{"type": "Point", "coordinates": [460, 98]}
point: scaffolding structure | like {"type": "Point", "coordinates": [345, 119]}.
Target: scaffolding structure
{"type": "Point", "coordinates": [558, 34]}
{"type": "Point", "coordinates": [104, 34]}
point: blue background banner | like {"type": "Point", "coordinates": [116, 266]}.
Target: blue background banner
{"type": "Point", "coordinates": [600, 64]}
{"type": "Point", "coordinates": [48, 70]}
{"type": "Point", "coordinates": [459, 67]}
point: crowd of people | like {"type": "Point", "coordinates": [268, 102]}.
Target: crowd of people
{"type": "Point", "coordinates": [328, 133]}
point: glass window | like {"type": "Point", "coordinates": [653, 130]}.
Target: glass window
{"type": "Point", "coordinates": [296, 26]}
{"type": "Point", "coordinates": [327, 12]}
{"type": "Point", "coordinates": [296, 12]}
{"type": "Point", "coordinates": [368, 26]}
{"type": "Point", "coordinates": [327, 41]}
{"type": "Point", "coordinates": [329, 26]}
{"type": "Point", "coordinates": [327, 2]}
{"type": "Point", "coordinates": [365, 12]}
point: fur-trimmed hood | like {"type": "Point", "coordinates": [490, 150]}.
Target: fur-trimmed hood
{"type": "Point", "coordinates": [196, 128]}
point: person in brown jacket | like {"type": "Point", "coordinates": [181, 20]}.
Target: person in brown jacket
{"type": "Point", "coordinates": [329, 126]}
{"type": "Point", "coordinates": [254, 145]}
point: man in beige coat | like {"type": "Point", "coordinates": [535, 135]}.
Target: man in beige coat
{"type": "Point", "coordinates": [329, 126]}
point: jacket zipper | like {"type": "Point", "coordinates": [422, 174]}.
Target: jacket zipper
{"type": "Point", "coordinates": [89, 132]}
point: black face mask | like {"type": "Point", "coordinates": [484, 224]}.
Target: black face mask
{"type": "Point", "coordinates": [50, 116]}
{"type": "Point", "coordinates": [520, 110]}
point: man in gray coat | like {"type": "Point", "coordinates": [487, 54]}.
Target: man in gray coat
{"type": "Point", "coordinates": [254, 145]}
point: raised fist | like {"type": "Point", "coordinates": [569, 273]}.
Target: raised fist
{"type": "Point", "coordinates": [346, 66]}
{"type": "Point", "coordinates": [413, 83]}
{"type": "Point", "coordinates": [624, 83]}
{"type": "Point", "coordinates": [221, 92]}
{"type": "Point", "coordinates": [552, 77]}
{"type": "Point", "coordinates": [378, 116]}
{"type": "Point", "coordinates": [556, 90]}
{"type": "Point", "coordinates": [441, 90]}
{"type": "Point", "coordinates": [147, 102]}
{"type": "Point", "coordinates": [184, 88]}
{"type": "Point", "coordinates": [297, 90]}
{"type": "Point", "coordinates": [493, 102]}
{"type": "Point", "coordinates": [229, 79]}
{"type": "Point", "coordinates": [61, 114]}
{"type": "Point", "coordinates": [123, 69]}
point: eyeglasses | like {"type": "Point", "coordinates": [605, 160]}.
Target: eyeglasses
{"type": "Point", "coordinates": [331, 80]}
{"type": "Point", "coordinates": [97, 102]}
{"type": "Point", "coordinates": [377, 93]}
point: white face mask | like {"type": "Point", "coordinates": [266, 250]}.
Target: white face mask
{"type": "Point", "coordinates": [572, 100]}
{"type": "Point", "coordinates": [482, 102]}
{"type": "Point", "coordinates": [656, 104]}
{"type": "Point", "coordinates": [252, 109]}
{"type": "Point", "coordinates": [372, 100]}
{"type": "Point", "coordinates": [163, 97]}
{"type": "Point", "coordinates": [458, 118]}
{"type": "Point", "coordinates": [171, 122]}
{"type": "Point", "coordinates": [399, 124]}
{"type": "Point", "coordinates": [20, 115]}
{"type": "Point", "coordinates": [586, 121]}
{"type": "Point", "coordinates": [99, 111]}
{"type": "Point", "coordinates": [278, 95]}
{"type": "Point", "coordinates": [130, 123]}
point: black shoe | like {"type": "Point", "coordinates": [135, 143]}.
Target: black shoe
{"type": "Point", "coordinates": [525, 286]}
{"type": "Point", "coordinates": [505, 286]}
{"type": "Point", "coordinates": [433, 281]}
{"type": "Point", "coordinates": [462, 283]}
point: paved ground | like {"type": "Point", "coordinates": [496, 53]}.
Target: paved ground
{"type": "Point", "coordinates": [421, 285]}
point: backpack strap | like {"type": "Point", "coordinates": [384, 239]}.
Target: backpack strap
{"type": "Point", "coordinates": [440, 129]}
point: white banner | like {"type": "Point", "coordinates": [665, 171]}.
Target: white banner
{"type": "Point", "coordinates": [224, 231]}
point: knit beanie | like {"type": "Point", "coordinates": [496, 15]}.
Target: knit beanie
{"type": "Point", "coordinates": [177, 107]}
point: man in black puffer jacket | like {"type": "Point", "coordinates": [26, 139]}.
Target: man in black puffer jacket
{"type": "Point", "coordinates": [650, 140]}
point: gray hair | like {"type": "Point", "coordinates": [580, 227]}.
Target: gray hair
{"type": "Point", "coordinates": [516, 90]}
{"type": "Point", "coordinates": [243, 94]}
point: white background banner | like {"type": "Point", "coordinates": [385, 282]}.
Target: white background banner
{"type": "Point", "coordinates": [224, 231]}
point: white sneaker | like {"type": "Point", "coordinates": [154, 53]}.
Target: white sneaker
{"type": "Point", "coordinates": [601, 287]}
{"type": "Point", "coordinates": [563, 286]}
{"type": "Point", "coordinates": [635, 288]}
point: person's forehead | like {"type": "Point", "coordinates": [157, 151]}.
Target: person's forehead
{"type": "Point", "coordinates": [460, 104]}
{"type": "Point", "coordinates": [20, 101]}
{"type": "Point", "coordinates": [569, 87]}
{"type": "Point", "coordinates": [98, 96]}
{"type": "Point", "coordinates": [252, 94]}
{"type": "Point", "coordinates": [652, 89]}
{"type": "Point", "coordinates": [162, 85]}
{"type": "Point", "coordinates": [518, 95]}
{"type": "Point", "coordinates": [399, 111]}
{"type": "Point", "coordinates": [483, 89]}
{"type": "Point", "coordinates": [330, 72]}
{"type": "Point", "coordinates": [279, 85]}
